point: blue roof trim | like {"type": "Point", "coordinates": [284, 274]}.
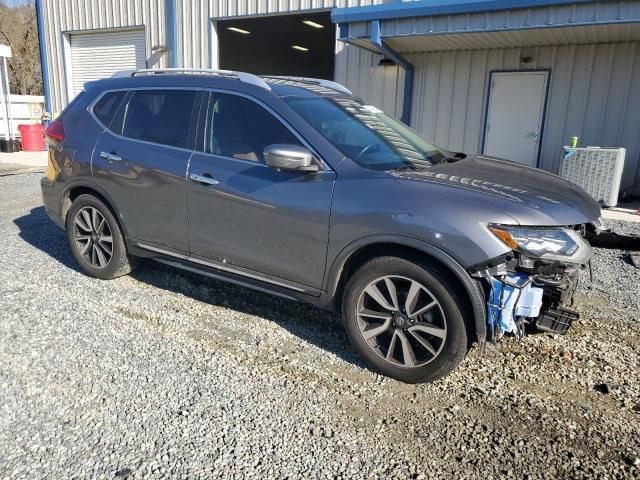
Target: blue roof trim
{"type": "Point", "coordinates": [437, 7]}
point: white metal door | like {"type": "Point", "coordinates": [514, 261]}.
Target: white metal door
{"type": "Point", "coordinates": [514, 115]}
{"type": "Point", "coordinates": [100, 55]}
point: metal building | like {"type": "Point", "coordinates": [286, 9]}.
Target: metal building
{"type": "Point", "coordinates": [514, 78]}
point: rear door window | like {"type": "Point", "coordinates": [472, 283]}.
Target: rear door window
{"type": "Point", "coordinates": [160, 116]}
{"type": "Point", "coordinates": [106, 107]}
{"type": "Point", "coordinates": [238, 127]}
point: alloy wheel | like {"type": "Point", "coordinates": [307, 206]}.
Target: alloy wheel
{"type": "Point", "coordinates": [401, 321]}
{"type": "Point", "coordinates": [93, 237]}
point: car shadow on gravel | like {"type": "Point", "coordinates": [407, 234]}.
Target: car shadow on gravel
{"type": "Point", "coordinates": [311, 324]}
{"type": "Point", "coordinates": [306, 322]}
{"type": "Point", "coordinates": [38, 230]}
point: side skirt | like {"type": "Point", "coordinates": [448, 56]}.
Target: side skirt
{"type": "Point", "coordinates": [230, 274]}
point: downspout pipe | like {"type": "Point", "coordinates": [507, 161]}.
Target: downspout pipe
{"type": "Point", "coordinates": [44, 63]}
{"type": "Point", "coordinates": [171, 28]}
{"type": "Point", "coordinates": [376, 39]}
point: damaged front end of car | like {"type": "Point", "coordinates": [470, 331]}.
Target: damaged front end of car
{"type": "Point", "coordinates": [533, 284]}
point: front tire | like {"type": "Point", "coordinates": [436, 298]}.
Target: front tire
{"type": "Point", "coordinates": [96, 240]}
{"type": "Point", "coordinates": [405, 319]}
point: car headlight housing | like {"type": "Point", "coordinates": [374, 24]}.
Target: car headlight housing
{"type": "Point", "coordinates": [552, 243]}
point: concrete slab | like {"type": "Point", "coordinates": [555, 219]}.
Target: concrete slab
{"type": "Point", "coordinates": [28, 159]}
{"type": "Point", "coordinates": [625, 211]}
{"type": "Point", "coordinates": [22, 162]}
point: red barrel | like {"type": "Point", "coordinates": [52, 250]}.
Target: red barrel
{"type": "Point", "coordinates": [32, 137]}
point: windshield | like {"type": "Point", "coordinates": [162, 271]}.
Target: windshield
{"type": "Point", "coordinates": [365, 134]}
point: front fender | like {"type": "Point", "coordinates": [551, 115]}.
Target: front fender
{"type": "Point", "coordinates": [471, 286]}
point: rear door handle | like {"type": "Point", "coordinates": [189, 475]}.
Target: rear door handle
{"type": "Point", "coordinates": [110, 157]}
{"type": "Point", "coordinates": [206, 179]}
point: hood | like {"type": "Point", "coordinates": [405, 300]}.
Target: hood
{"type": "Point", "coordinates": [529, 195]}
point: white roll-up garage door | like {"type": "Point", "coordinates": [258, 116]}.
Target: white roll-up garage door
{"type": "Point", "coordinates": [99, 55]}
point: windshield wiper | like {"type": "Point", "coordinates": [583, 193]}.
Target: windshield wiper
{"type": "Point", "coordinates": [404, 168]}
{"type": "Point", "coordinates": [410, 167]}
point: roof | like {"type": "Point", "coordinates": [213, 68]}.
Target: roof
{"type": "Point", "coordinates": [562, 23]}
{"type": "Point", "coordinates": [422, 8]}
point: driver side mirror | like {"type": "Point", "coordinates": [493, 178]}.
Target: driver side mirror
{"type": "Point", "coordinates": [289, 158]}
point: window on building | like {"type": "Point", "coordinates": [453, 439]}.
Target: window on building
{"type": "Point", "coordinates": [160, 116]}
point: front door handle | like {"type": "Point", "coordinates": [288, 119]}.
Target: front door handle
{"type": "Point", "coordinates": [110, 157]}
{"type": "Point", "coordinates": [206, 179]}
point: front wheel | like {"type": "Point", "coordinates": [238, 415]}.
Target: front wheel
{"type": "Point", "coordinates": [405, 319]}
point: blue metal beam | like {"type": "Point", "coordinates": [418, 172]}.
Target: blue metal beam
{"type": "Point", "coordinates": [427, 8]}
{"type": "Point", "coordinates": [389, 52]}
{"type": "Point", "coordinates": [343, 31]}
{"type": "Point", "coordinates": [171, 27]}
{"type": "Point", "coordinates": [44, 63]}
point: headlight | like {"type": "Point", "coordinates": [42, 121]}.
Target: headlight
{"type": "Point", "coordinates": [547, 243]}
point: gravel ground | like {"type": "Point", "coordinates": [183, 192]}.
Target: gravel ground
{"type": "Point", "coordinates": [162, 374]}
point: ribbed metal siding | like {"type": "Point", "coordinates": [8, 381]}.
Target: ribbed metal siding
{"type": "Point", "coordinates": [359, 71]}
{"type": "Point", "coordinates": [193, 20]}
{"type": "Point", "coordinates": [68, 16]}
{"type": "Point", "coordinates": [194, 37]}
{"type": "Point", "coordinates": [593, 94]}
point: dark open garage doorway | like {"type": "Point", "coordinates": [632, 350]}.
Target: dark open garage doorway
{"type": "Point", "coordinates": [296, 45]}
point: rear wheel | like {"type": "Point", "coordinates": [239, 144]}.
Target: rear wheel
{"type": "Point", "coordinates": [95, 239]}
{"type": "Point", "coordinates": [405, 319]}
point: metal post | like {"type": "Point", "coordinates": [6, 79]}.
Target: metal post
{"type": "Point", "coordinates": [5, 116]}
{"type": "Point", "coordinates": [5, 79]}
{"type": "Point", "coordinates": [376, 39]}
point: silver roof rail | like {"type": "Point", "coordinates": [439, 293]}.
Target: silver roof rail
{"type": "Point", "coordinates": [122, 73]}
{"type": "Point", "coordinates": [242, 76]}
{"type": "Point", "coordinates": [317, 81]}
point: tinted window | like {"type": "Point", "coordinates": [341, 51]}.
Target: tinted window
{"type": "Point", "coordinates": [240, 128]}
{"type": "Point", "coordinates": [366, 134]}
{"type": "Point", "coordinates": [118, 119]}
{"type": "Point", "coordinates": [160, 116]}
{"type": "Point", "coordinates": [106, 107]}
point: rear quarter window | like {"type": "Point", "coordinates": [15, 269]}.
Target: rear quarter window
{"type": "Point", "coordinates": [107, 106]}
{"type": "Point", "coordinates": [160, 116]}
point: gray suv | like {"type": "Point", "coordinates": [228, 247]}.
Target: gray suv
{"type": "Point", "coordinates": [295, 187]}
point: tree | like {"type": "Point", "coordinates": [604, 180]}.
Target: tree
{"type": "Point", "coordinates": [19, 30]}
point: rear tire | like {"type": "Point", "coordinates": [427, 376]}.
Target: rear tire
{"type": "Point", "coordinates": [96, 240]}
{"type": "Point", "coordinates": [405, 319]}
